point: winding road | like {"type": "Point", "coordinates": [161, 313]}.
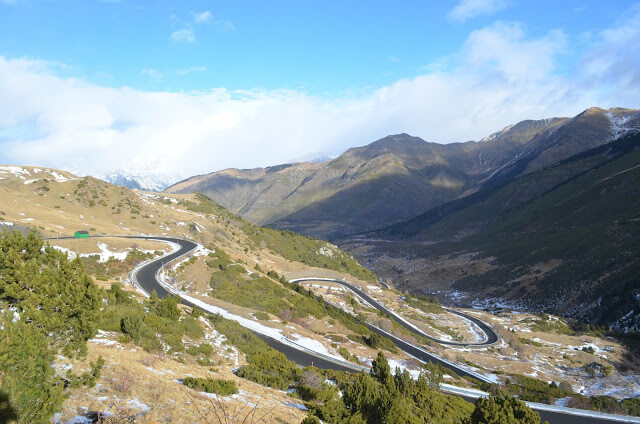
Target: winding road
{"type": "Point", "coordinates": [146, 277]}
{"type": "Point", "coordinates": [490, 337]}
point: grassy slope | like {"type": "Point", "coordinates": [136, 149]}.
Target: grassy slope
{"type": "Point", "coordinates": [60, 208]}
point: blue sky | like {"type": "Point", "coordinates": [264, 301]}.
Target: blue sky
{"type": "Point", "coordinates": [286, 79]}
{"type": "Point", "coordinates": [321, 47]}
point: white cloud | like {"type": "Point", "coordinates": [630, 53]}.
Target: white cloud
{"type": "Point", "coordinates": [613, 63]}
{"type": "Point", "coordinates": [202, 17]}
{"type": "Point", "coordinates": [223, 25]}
{"type": "Point", "coordinates": [468, 9]}
{"type": "Point", "coordinates": [184, 35]}
{"type": "Point", "coordinates": [505, 48]}
{"type": "Point", "coordinates": [207, 17]}
{"type": "Point", "coordinates": [187, 71]}
{"type": "Point", "coordinates": [499, 76]}
{"type": "Point", "coordinates": [151, 73]}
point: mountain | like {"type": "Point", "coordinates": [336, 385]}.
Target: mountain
{"type": "Point", "coordinates": [398, 177]}
{"type": "Point", "coordinates": [142, 177]}
{"type": "Point", "coordinates": [563, 239]}
{"type": "Point", "coordinates": [539, 214]}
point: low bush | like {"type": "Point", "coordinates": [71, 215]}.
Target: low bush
{"type": "Point", "coordinates": [532, 390]}
{"type": "Point", "coordinates": [262, 316]}
{"type": "Point", "coordinates": [210, 385]}
{"type": "Point", "coordinates": [265, 365]}
{"type": "Point", "coordinates": [347, 355]}
{"type": "Point", "coordinates": [238, 336]}
{"type": "Point", "coordinates": [425, 303]}
{"type": "Point", "coordinates": [270, 368]}
{"type": "Point", "coordinates": [149, 324]}
{"type": "Point", "coordinates": [307, 250]}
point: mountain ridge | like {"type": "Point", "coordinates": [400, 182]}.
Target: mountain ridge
{"type": "Point", "coordinates": [397, 177]}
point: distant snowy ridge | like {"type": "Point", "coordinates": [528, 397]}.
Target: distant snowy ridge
{"type": "Point", "coordinates": [141, 179]}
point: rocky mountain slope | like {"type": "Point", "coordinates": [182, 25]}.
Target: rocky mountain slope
{"type": "Point", "coordinates": [399, 176]}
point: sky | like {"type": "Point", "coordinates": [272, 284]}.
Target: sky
{"type": "Point", "coordinates": [189, 87]}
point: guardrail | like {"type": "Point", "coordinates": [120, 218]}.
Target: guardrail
{"type": "Point", "coordinates": [475, 394]}
{"type": "Point", "coordinates": [454, 367]}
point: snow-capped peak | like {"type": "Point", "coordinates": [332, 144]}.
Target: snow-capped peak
{"type": "Point", "coordinates": [622, 124]}
{"type": "Point", "coordinates": [142, 175]}
{"type": "Point", "coordinates": [140, 180]}
{"type": "Point", "coordinates": [497, 134]}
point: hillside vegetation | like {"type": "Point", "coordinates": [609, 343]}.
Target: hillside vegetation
{"type": "Point", "coordinates": [60, 206]}
{"type": "Point", "coordinates": [54, 311]}
{"type": "Point", "coordinates": [309, 251]}
{"type": "Point", "coordinates": [49, 306]}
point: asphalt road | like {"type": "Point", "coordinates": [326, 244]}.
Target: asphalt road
{"type": "Point", "coordinates": [560, 418]}
{"type": "Point", "coordinates": [565, 418]}
{"type": "Point", "coordinates": [146, 277]}
{"type": "Point", "coordinates": [553, 417]}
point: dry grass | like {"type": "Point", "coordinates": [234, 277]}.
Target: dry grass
{"type": "Point", "coordinates": [132, 377]}
{"type": "Point", "coordinates": [214, 411]}
{"type": "Point", "coordinates": [117, 245]}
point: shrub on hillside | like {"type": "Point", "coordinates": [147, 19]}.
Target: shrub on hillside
{"type": "Point", "coordinates": [49, 290]}
{"type": "Point", "coordinates": [270, 368]}
{"type": "Point", "coordinates": [503, 410]}
{"type": "Point", "coordinates": [210, 385]}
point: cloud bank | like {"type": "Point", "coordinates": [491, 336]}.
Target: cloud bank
{"type": "Point", "coordinates": [499, 76]}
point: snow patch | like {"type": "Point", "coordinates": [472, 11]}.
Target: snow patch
{"type": "Point", "coordinates": [16, 171]}
{"type": "Point", "coordinates": [312, 344]}
{"type": "Point", "coordinates": [106, 254]}
{"type": "Point", "coordinates": [296, 405]}
{"type": "Point", "coordinates": [136, 404]}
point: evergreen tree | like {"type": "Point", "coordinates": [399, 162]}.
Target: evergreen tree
{"type": "Point", "coordinates": [168, 308]}
{"type": "Point", "coordinates": [363, 396]}
{"type": "Point", "coordinates": [54, 307]}
{"type": "Point", "coordinates": [32, 391]}
{"type": "Point", "coordinates": [499, 409]}
{"type": "Point", "coordinates": [47, 289]}
{"type": "Point", "coordinates": [381, 371]}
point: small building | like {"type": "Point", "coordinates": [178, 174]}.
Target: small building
{"type": "Point", "coordinates": [81, 234]}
